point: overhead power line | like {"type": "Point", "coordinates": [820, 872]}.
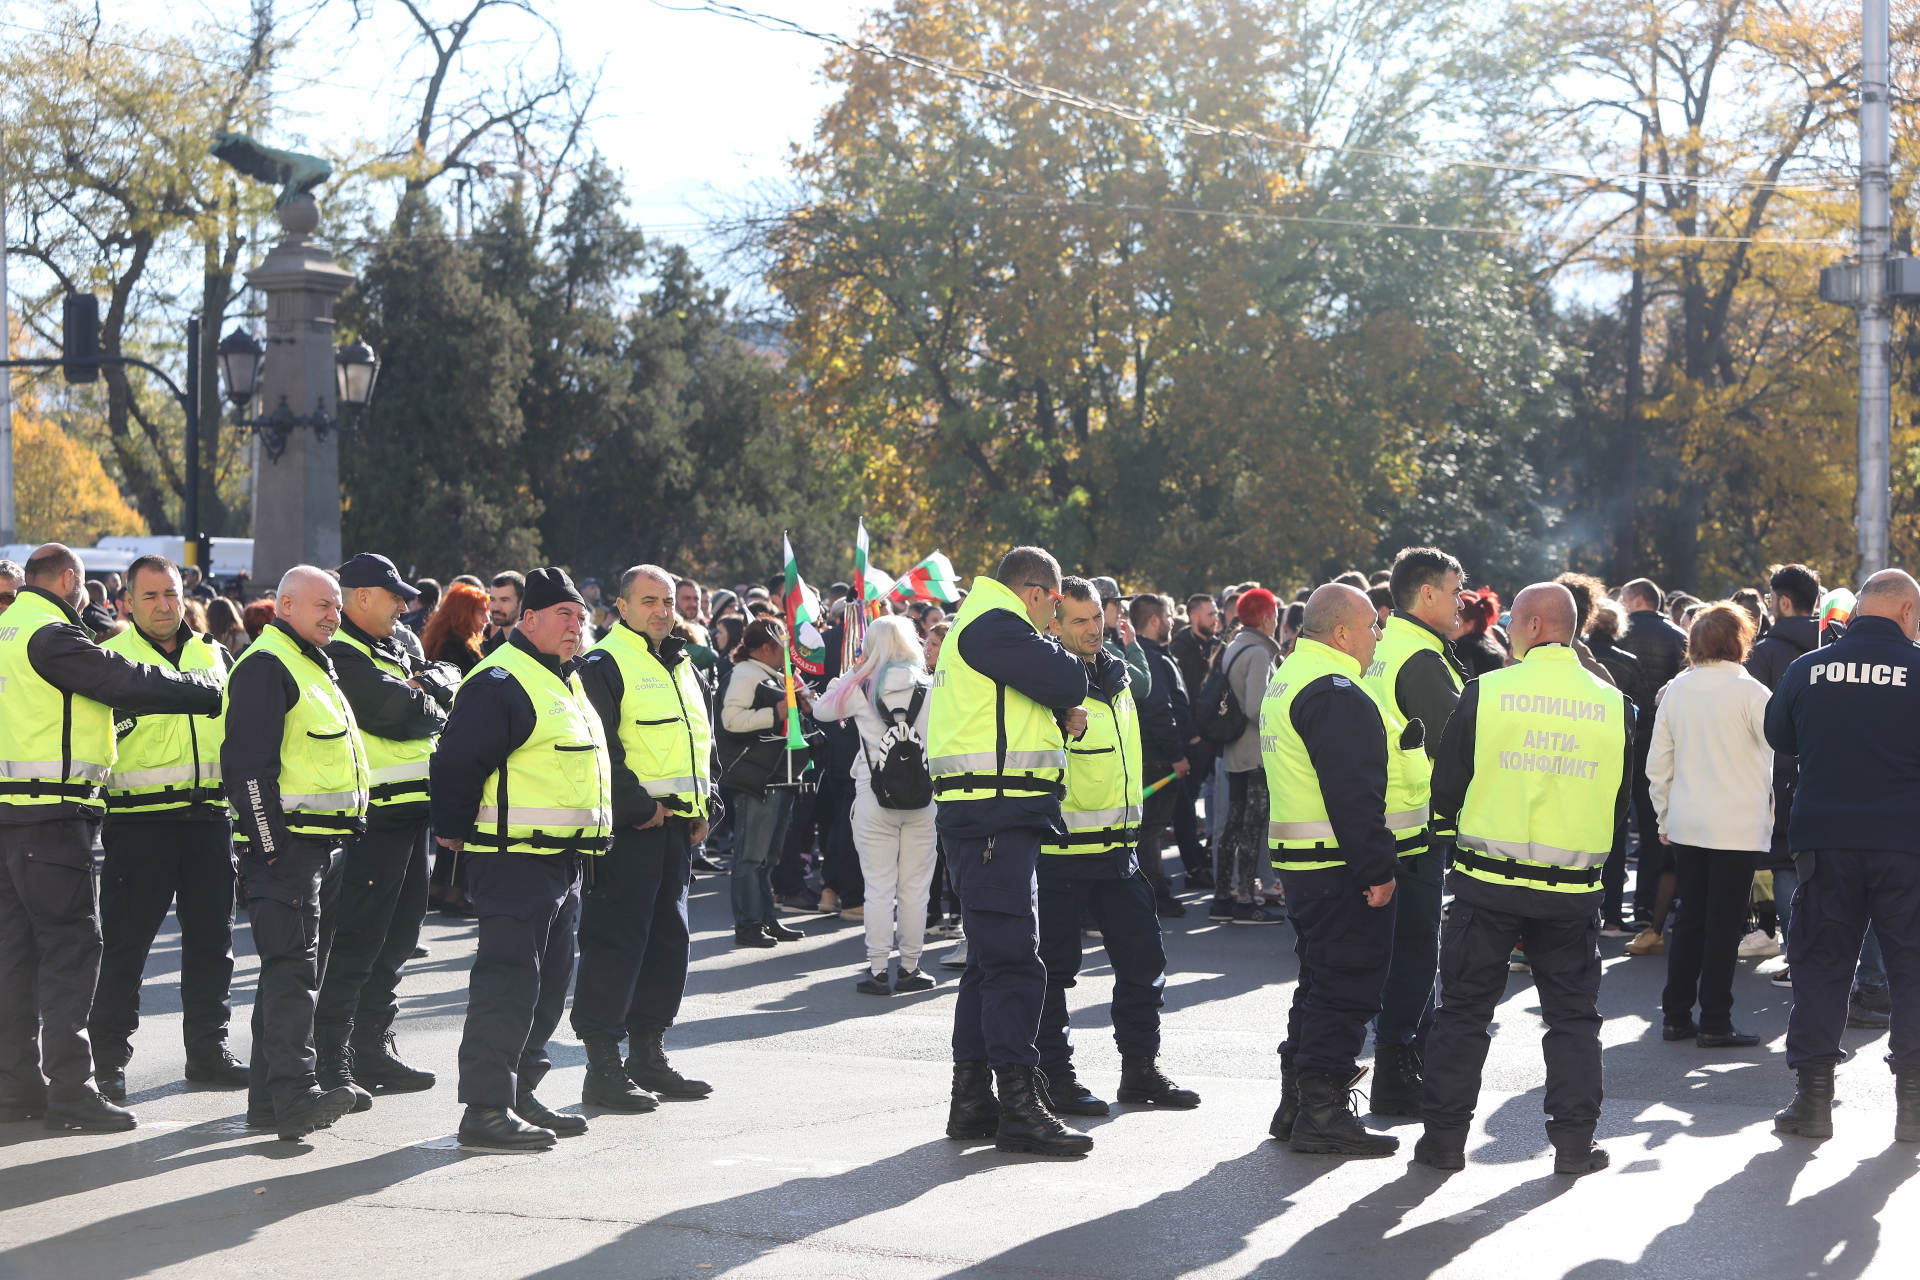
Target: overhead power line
{"type": "Point", "coordinates": [987, 78]}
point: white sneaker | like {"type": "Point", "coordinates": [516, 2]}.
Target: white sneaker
{"type": "Point", "coordinates": [1758, 945]}
{"type": "Point", "coordinates": [957, 960]}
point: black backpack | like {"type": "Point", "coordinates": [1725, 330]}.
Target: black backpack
{"type": "Point", "coordinates": [1217, 714]}
{"type": "Point", "coordinates": [902, 780]}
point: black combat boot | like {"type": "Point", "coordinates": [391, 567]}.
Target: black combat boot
{"type": "Point", "coordinates": [647, 1064]}
{"type": "Point", "coordinates": [1810, 1114]}
{"type": "Point", "coordinates": [333, 1064]}
{"type": "Point", "coordinates": [1141, 1080]}
{"type": "Point", "coordinates": [499, 1129]}
{"type": "Point", "coordinates": [1327, 1125]}
{"type": "Point", "coordinates": [222, 1069]}
{"type": "Point", "coordinates": [974, 1112]}
{"type": "Point", "coordinates": [317, 1110]}
{"type": "Point", "coordinates": [1289, 1108]}
{"type": "Point", "coordinates": [1396, 1080]}
{"type": "Point", "coordinates": [1906, 1096]}
{"type": "Point", "coordinates": [1066, 1096]}
{"type": "Point", "coordinates": [608, 1086]}
{"type": "Point", "coordinates": [89, 1112]}
{"type": "Point", "coordinates": [1577, 1161]}
{"type": "Point", "coordinates": [110, 1070]}
{"type": "Point", "coordinates": [376, 1061]}
{"type": "Point", "coordinates": [1438, 1153]}
{"type": "Point", "coordinates": [541, 1116]}
{"type": "Point", "coordinates": [1026, 1124]}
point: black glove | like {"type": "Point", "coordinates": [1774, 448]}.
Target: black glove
{"type": "Point", "coordinates": [1414, 735]}
{"type": "Point", "coordinates": [440, 680]}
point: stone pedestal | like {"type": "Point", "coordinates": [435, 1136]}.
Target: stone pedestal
{"type": "Point", "coordinates": [296, 497]}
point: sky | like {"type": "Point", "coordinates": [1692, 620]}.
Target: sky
{"type": "Point", "coordinates": [698, 110]}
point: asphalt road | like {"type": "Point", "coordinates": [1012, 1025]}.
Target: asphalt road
{"type": "Point", "coordinates": [821, 1152]}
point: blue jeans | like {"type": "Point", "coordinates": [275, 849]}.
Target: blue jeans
{"type": "Point", "coordinates": [760, 832]}
{"type": "Point", "coordinates": [1872, 971]}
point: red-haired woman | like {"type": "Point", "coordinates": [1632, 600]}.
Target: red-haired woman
{"type": "Point", "coordinates": [1475, 640]}
{"type": "Point", "coordinates": [454, 629]}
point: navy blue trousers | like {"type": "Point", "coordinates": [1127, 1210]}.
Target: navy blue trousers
{"type": "Point", "coordinates": [1130, 928]}
{"type": "Point", "coordinates": [527, 904]}
{"type": "Point", "coordinates": [996, 1015]}
{"type": "Point", "coordinates": [1344, 947]}
{"type": "Point", "coordinates": [1850, 889]}
{"type": "Point", "coordinates": [633, 934]}
{"type": "Point", "coordinates": [1406, 1002]}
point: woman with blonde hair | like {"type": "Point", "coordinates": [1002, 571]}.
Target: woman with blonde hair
{"type": "Point", "coordinates": [1710, 771]}
{"type": "Point", "coordinates": [885, 695]}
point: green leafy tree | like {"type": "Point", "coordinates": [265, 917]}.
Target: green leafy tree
{"type": "Point", "coordinates": [434, 479]}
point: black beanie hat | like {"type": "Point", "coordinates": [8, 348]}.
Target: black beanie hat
{"type": "Point", "coordinates": [548, 587]}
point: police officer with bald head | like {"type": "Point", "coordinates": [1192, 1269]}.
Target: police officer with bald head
{"type": "Point", "coordinates": [1531, 786]}
{"type": "Point", "coordinates": [1851, 712]}
{"type": "Point", "coordinates": [296, 774]}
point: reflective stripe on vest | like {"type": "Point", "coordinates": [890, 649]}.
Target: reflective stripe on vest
{"type": "Point", "coordinates": [1550, 740]}
{"type": "Point", "coordinates": [398, 765]}
{"type": "Point", "coordinates": [665, 735]}
{"type": "Point", "coordinates": [169, 761]}
{"type": "Point", "coordinates": [55, 747]}
{"type": "Point", "coordinates": [1103, 807]}
{"type": "Point", "coordinates": [984, 739]}
{"type": "Point", "coordinates": [563, 768]}
{"type": "Point", "coordinates": [1296, 809]}
{"type": "Point", "coordinates": [323, 766]}
{"type": "Point", "coordinates": [1410, 782]}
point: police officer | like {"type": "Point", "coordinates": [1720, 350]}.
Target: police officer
{"type": "Point", "coordinates": [1005, 694]}
{"type": "Point", "coordinates": [1331, 754]}
{"type": "Point", "coordinates": [521, 783]}
{"type": "Point", "coordinates": [1415, 675]}
{"type": "Point", "coordinates": [168, 838]}
{"type": "Point", "coordinates": [399, 707]}
{"type": "Point", "coordinates": [1532, 784]}
{"type": "Point", "coordinates": [296, 775]}
{"type": "Point", "coordinates": [56, 749]}
{"type": "Point", "coordinates": [633, 917]}
{"type": "Point", "coordinates": [1851, 712]}
{"type": "Point", "coordinates": [1092, 870]}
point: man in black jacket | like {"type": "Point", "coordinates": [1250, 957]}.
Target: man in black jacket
{"type": "Point", "coordinates": [1795, 631]}
{"type": "Point", "coordinates": [1850, 712]}
{"type": "Point", "coordinates": [292, 880]}
{"type": "Point", "coordinates": [399, 707]}
{"type": "Point", "coordinates": [1661, 648]}
{"type": "Point", "coordinates": [1166, 736]}
{"type": "Point", "coordinates": [49, 919]}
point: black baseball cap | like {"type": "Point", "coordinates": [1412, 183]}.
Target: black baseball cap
{"type": "Point", "coordinates": [370, 570]}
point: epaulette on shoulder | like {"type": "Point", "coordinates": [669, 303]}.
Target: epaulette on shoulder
{"type": "Point", "coordinates": [498, 673]}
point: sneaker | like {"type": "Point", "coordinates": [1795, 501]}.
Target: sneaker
{"type": "Point", "coordinates": [1782, 979]}
{"type": "Point", "coordinates": [1517, 962]}
{"type": "Point", "coordinates": [957, 960]}
{"type": "Point", "coordinates": [795, 904]}
{"type": "Point", "coordinates": [1256, 913]}
{"type": "Point", "coordinates": [914, 980]}
{"type": "Point", "coordinates": [853, 913]}
{"type": "Point", "coordinates": [1758, 945]}
{"type": "Point", "coordinates": [943, 931]}
{"type": "Point", "coordinates": [1615, 929]}
{"type": "Point", "coordinates": [829, 903]}
{"type": "Point", "coordinates": [1647, 943]}
{"type": "Point", "coordinates": [874, 984]}
{"type": "Point", "coordinates": [1220, 909]}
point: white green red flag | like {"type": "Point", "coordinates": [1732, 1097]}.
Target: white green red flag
{"type": "Point", "coordinates": [806, 646]}
{"type": "Point", "coordinates": [878, 585]}
{"type": "Point", "coordinates": [932, 580]}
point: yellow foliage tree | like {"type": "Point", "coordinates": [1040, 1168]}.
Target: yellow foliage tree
{"type": "Point", "coordinates": [61, 492]}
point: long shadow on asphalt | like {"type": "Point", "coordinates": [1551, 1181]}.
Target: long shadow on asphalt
{"type": "Point", "coordinates": [143, 1241]}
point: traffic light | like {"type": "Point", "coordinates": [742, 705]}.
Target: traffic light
{"type": "Point", "coordinates": [80, 336]}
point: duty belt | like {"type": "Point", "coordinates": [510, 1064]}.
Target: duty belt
{"type": "Point", "coordinates": [1508, 869]}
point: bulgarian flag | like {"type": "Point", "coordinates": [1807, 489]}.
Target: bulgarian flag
{"type": "Point", "coordinates": [932, 580]}
{"type": "Point", "coordinates": [806, 647]}
{"type": "Point", "coordinates": [878, 585]}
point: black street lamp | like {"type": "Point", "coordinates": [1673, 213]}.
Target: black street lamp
{"type": "Point", "coordinates": [241, 358]}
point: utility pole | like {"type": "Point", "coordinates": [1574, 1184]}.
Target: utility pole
{"type": "Point", "coordinates": [6, 374]}
{"type": "Point", "coordinates": [1875, 307]}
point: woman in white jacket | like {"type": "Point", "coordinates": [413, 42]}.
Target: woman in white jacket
{"type": "Point", "coordinates": [896, 845]}
{"type": "Point", "coordinates": [1711, 775]}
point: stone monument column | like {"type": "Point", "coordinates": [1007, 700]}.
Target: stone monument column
{"type": "Point", "coordinates": [296, 497]}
